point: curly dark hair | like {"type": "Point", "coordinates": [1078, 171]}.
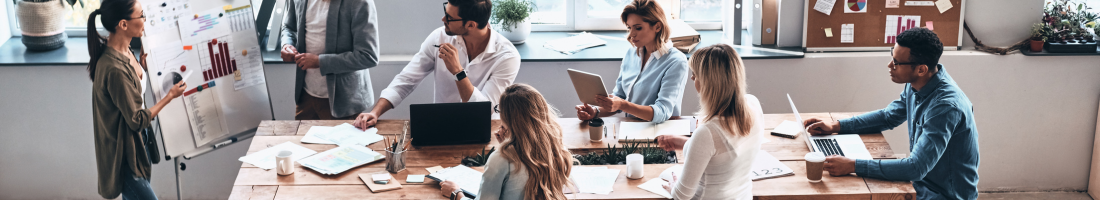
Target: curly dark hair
{"type": "Point", "coordinates": [924, 46]}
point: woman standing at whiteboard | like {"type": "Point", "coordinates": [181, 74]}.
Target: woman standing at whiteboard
{"type": "Point", "coordinates": [653, 74]}
{"type": "Point", "coordinates": [118, 85]}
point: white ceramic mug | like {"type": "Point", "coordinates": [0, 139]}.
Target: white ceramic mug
{"type": "Point", "coordinates": [634, 167]}
{"type": "Point", "coordinates": [283, 165]}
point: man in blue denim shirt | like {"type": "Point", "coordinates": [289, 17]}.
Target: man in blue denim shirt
{"type": "Point", "coordinates": [943, 137]}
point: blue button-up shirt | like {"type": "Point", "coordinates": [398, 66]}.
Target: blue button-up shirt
{"type": "Point", "coordinates": [659, 85]}
{"type": "Point", "coordinates": [943, 139]}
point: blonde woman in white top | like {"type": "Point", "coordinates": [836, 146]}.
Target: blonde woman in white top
{"type": "Point", "coordinates": [719, 154]}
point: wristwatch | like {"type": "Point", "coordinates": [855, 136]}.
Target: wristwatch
{"type": "Point", "coordinates": [454, 195]}
{"type": "Point", "coordinates": [460, 75]}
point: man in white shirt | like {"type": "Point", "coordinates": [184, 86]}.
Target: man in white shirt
{"type": "Point", "coordinates": [471, 62]}
{"type": "Point", "coordinates": [333, 43]}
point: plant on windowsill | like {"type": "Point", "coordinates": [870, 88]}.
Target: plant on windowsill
{"type": "Point", "coordinates": [1039, 34]}
{"type": "Point", "coordinates": [42, 23]}
{"type": "Point", "coordinates": [1068, 21]}
{"type": "Point", "coordinates": [510, 18]}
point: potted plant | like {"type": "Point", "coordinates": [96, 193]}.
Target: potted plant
{"type": "Point", "coordinates": [1039, 34]}
{"type": "Point", "coordinates": [1068, 21]}
{"type": "Point", "coordinates": [42, 23]}
{"type": "Point", "coordinates": [511, 18]}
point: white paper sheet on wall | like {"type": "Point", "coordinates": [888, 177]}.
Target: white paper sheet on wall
{"type": "Point", "coordinates": [847, 33]}
{"type": "Point", "coordinates": [824, 6]}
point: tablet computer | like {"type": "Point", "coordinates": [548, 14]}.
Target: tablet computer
{"type": "Point", "coordinates": [588, 85]}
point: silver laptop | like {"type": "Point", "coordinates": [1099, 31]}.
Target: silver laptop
{"type": "Point", "coordinates": [847, 145]}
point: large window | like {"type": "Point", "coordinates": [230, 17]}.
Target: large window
{"type": "Point", "coordinates": [556, 15]}
{"type": "Point", "coordinates": [76, 17]}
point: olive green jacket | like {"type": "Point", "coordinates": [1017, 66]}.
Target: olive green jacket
{"type": "Point", "coordinates": [118, 117]}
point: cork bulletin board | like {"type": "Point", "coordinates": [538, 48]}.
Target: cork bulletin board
{"type": "Point", "coordinates": [870, 27]}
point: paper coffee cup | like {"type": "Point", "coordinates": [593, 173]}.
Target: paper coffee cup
{"type": "Point", "coordinates": [815, 161]}
{"type": "Point", "coordinates": [595, 133]}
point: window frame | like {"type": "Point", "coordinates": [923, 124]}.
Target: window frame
{"type": "Point", "coordinates": [17, 31]}
{"type": "Point", "coordinates": [568, 26]}
{"type": "Point", "coordinates": [577, 19]}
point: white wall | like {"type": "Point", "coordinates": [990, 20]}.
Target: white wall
{"type": "Point", "coordinates": [1035, 114]}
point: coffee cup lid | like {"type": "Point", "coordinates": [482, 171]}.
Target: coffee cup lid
{"type": "Point", "coordinates": [815, 157]}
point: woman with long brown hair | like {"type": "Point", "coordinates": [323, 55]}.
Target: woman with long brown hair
{"type": "Point", "coordinates": [532, 162]}
{"type": "Point", "coordinates": [119, 116]}
{"type": "Point", "coordinates": [652, 77]}
{"type": "Point", "coordinates": [719, 154]}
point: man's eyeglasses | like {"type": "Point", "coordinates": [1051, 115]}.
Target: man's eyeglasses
{"type": "Point", "coordinates": [446, 16]}
{"type": "Point", "coordinates": [894, 64]}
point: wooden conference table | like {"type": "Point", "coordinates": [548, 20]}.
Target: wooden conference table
{"type": "Point", "coordinates": [256, 183]}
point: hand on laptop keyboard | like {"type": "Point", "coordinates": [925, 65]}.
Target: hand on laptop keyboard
{"type": "Point", "coordinates": [817, 126]}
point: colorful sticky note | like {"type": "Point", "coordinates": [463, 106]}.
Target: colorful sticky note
{"type": "Point", "coordinates": [433, 169]}
{"type": "Point", "coordinates": [828, 32]}
{"type": "Point", "coordinates": [928, 24]}
{"type": "Point", "coordinates": [187, 47]}
{"type": "Point", "coordinates": [227, 7]}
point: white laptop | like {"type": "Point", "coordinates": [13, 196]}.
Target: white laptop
{"type": "Point", "coordinates": [847, 145]}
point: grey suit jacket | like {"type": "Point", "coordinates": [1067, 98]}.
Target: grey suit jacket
{"type": "Point", "coordinates": [351, 48]}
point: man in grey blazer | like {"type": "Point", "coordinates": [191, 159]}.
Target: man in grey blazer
{"type": "Point", "coordinates": [333, 49]}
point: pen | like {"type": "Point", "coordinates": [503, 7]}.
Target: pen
{"type": "Point", "coordinates": [436, 46]}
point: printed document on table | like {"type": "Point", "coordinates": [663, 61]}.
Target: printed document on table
{"type": "Point", "coordinates": [265, 159]}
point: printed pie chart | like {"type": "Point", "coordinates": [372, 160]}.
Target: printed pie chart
{"type": "Point", "coordinates": [857, 5]}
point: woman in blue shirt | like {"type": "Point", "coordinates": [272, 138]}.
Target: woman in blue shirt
{"type": "Point", "coordinates": [652, 77]}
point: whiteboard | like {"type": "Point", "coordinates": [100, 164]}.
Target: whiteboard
{"type": "Point", "coordinates": [212, 45]}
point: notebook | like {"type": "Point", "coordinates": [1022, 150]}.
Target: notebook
{"type": "Point", "coordinates": [646, 131]}
{"type": "Point", "coordinates": [787, 129]}
{"type": "Point", "coordinates": [766, 166]}
{"type": "Point", "coordinates": [376, 188]}
{"type": "Point", "coordinates": [467, 179]}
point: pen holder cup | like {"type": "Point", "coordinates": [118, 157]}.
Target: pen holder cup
{"type": "Point", "coordinates": [395, 161]}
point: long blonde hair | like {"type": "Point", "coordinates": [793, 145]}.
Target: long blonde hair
{"type": "Point", "coordinates": [722, 87]}
{"type": "Point", "coordinates": [535, 141]}
{"type": "Point", "coordinates": [650, 12]}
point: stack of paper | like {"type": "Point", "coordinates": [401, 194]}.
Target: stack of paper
{"type": "Point", "coordinates": [595, 180]}
{"type": "Point", "coordinates": [265, 159]}
{"type": "Point", "coordinates": [344, 134]}
{"type": "Point", "coordinates": [683, 37]}
{"type": "Point", "coordinates": [467, 179]}
{"type": "Point", "coordinates": [646, 131]}
{"type": "Point", "coordinates": [340, 159]}
{"type": "Point", "coordinates": [574, 44]}
{"type": "Point", "coordinates": [311, 135]}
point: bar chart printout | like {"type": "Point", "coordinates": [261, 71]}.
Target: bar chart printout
{"type": "Point", "coordinates": [895, 24]}
{"type": "Point", "coordinates": [216, 58]}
